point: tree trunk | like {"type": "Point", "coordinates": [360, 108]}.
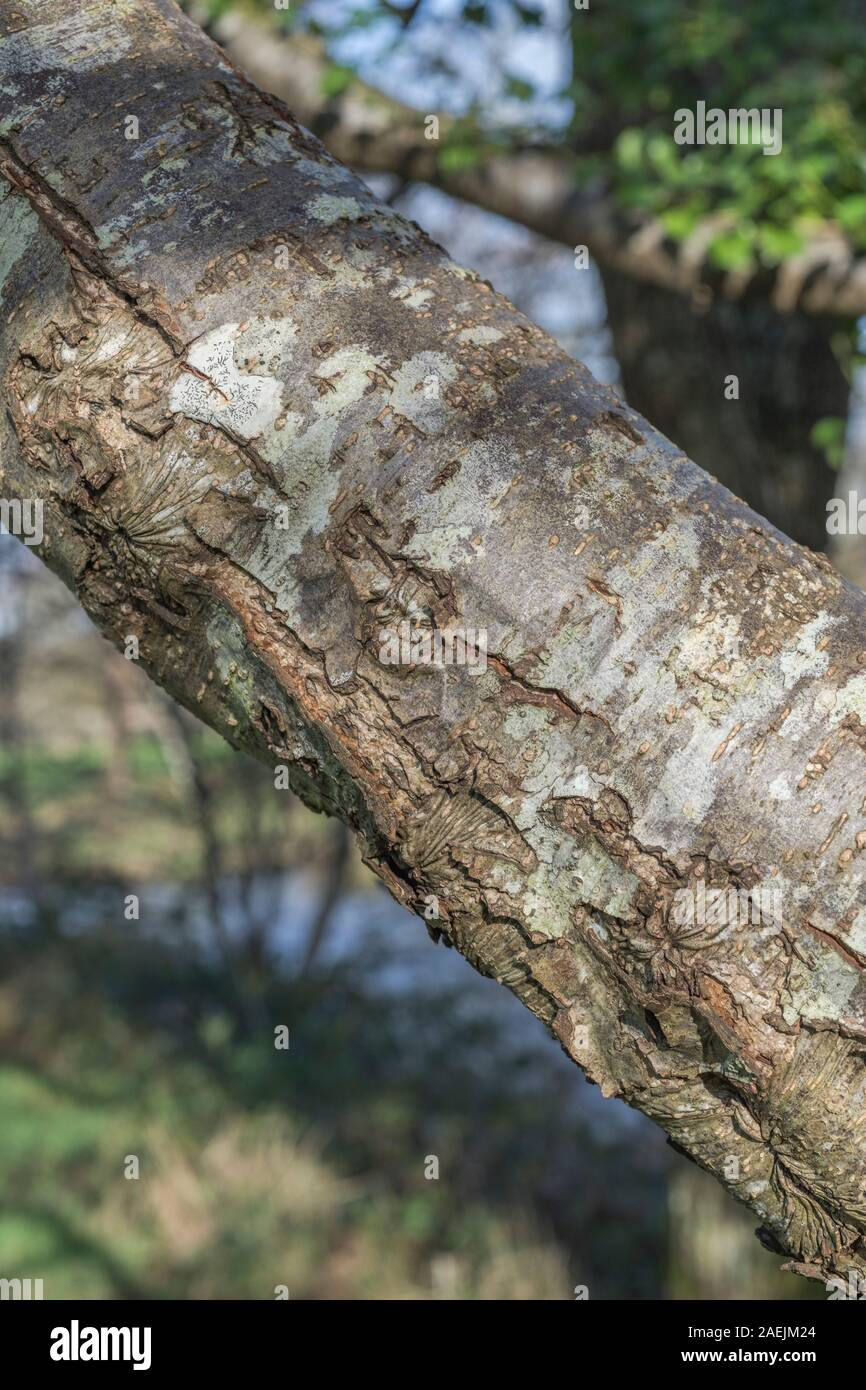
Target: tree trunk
{"type": "Point", "coordinates": [675, 362]}
{"type": "Point", "coordinates": [271, 421]}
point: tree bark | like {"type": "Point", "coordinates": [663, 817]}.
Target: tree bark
{"type": "Point", "coordinates": [269, 420]}
{"type": "Point", "coordinates": [675, 361]}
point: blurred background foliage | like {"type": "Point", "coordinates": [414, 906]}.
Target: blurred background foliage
{"type": "Point", "coordinates": [632, 64]}
{"type": "Point", "coordinates": [646, 58]}
{"type": "Point", "coordinates": [153, 1036]}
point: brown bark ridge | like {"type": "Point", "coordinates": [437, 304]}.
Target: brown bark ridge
{"type": "Point", "coordinates": [538, 187]}
{"type": "Point", "coordinates": [270, 420]}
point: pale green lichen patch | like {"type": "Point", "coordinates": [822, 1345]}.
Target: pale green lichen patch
{"type": "Point", "coordinates": [347, 374]}
{"type": "Point", "coordinates": [851, 699]}
{"type": "Point", "coordinates": [20, 107]}
{"type": "Point", "coordinates": [331, 207]}
{"type": "Point", "coordinates": [604, 883]}
{"type": "Point", "coordinates": [413, 295]}
{"type": "Point", "coordinates": [89, 39]}
{"type": "Point", "coordinates": [544, 748]}
{"type": "Point", "coordinates": [243, 402]}
{"type": "Point", "coordinates": [804, 658]}
{"type": "Point", "coordinates": [856, 937]}
{"type": "Point", "coordinates": [463, 507]}
{"type": "Point", "coordinates": [418, 386]}
{"type": "Point", "coordinates": [569, 873]}
{"type": "Point", "coordinates": [822, 992]}
{"type": "Point", "coordinates": [628, 625]}
{"type": "Point", "coordinates": [266, 344]}
{"type": "Point", "coordinates": [480, 335]}
{"type": "Point", "coordinates": [301, 450]}
{"type": "Point", "coordinates": [550, 893]}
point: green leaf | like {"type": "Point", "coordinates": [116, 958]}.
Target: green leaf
{"type": "Point", "coordinates": [778, 243]}
{"type": "Point", "coordinates": [454, 158]}
{"type": "Point", "coordinates": [680, 222]}
{"type": "Point", "coordinates": [664, 155]}
{"type": "Point", "coordinates": [629, 149]}
{"type": "Point", "coordinates": [335, 80]}
{"type": "Point", "coordinates": [851, 212]}
{"type": "Point", "coordinates": [516, 87]}
{"type": "Point", "coordinates": [732, 250]}
{"type": "Point", "coordinates": [828, 435]}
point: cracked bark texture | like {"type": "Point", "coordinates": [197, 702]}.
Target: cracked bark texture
{"type": "Point", "coordinates": [216, 351]}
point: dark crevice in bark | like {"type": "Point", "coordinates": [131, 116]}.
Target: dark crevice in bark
{"type": "Point", "coordinates": [73, 232]}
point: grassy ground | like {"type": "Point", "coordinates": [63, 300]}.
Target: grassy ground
{"type": "Point", "coordinates": [260, 1167]}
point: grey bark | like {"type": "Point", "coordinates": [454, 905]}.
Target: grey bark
{"type": "Point", "coordinates": [269, 419]}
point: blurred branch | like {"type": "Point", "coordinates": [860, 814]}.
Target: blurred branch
{"type": "Point", "coordinates": [536, 187]}
{"type": "Point", "coordinates": [201, 797]}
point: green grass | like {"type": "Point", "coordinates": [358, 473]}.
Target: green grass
{"type": "Point", "coordinates": [304, 1167]}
